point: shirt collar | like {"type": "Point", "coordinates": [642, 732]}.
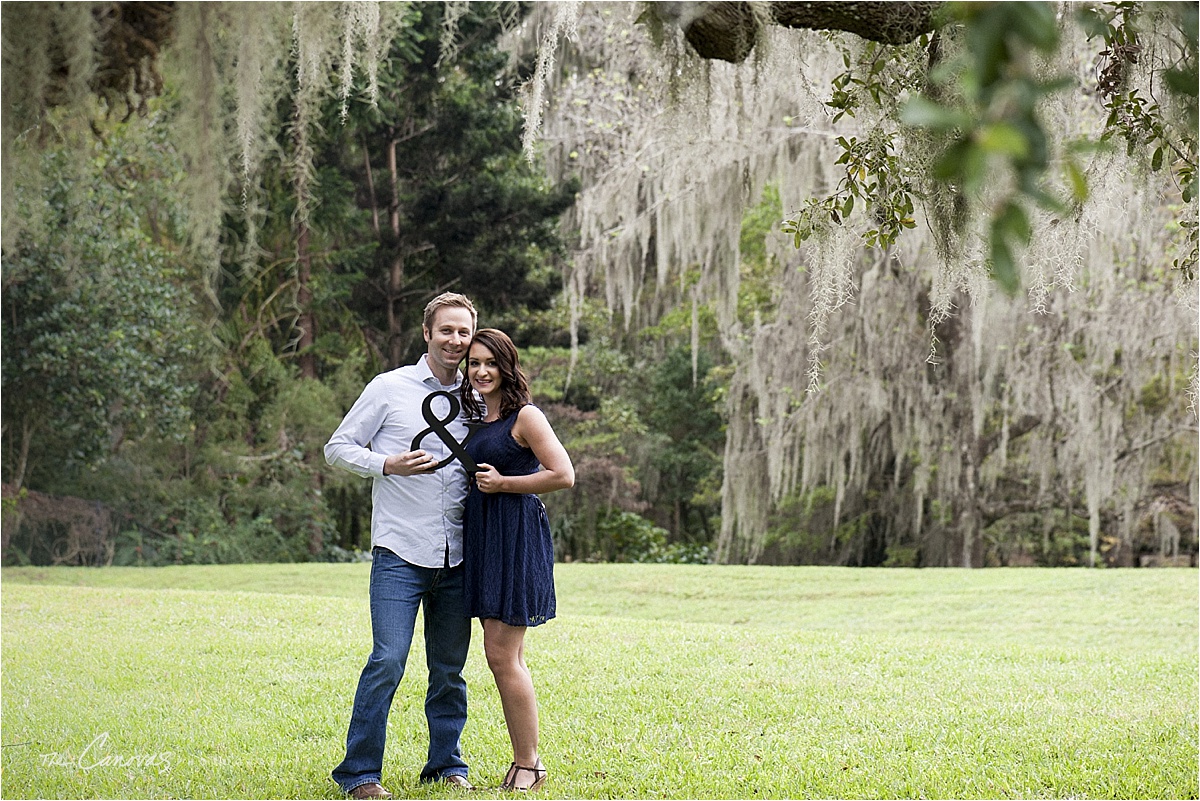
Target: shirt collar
{"type": "Point", "coordinates": [427, 375]}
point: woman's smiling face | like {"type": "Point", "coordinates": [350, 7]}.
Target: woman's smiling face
{"type": "Point", "coordinates": [483, 370]}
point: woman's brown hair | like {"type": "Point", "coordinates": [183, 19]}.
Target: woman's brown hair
{"type": "Point", "coordinates": [514, 387]}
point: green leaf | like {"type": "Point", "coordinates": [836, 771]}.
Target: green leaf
{"type": "Point", "coordinates": [1035, 22]}
{"type": "Point", "coordinates": [848, 207]}
{"type": "Point", "coordinates": [1004, 139]}
{"type": "Point", "coordinates": [974, 169]}
{"type": "Point", "coordinates": [920, 112]}
{"type": "Point", "coordinates": [1013, 222]}
{"type": "Point", "coordinates": [1046, 200]}
{"type": "Point", "coordinates": [1182, 81]}
{"type": "Point", "coordinates": [1003, 268]}
{"type": "Point", "coordinates": [949, 167]}
{"type": "Point", "coordinates": [1157, 161]}
{"type": "Point", "coordinates": [1092, 22]}
{"type": "Point", "coordinates": [1078, 181]}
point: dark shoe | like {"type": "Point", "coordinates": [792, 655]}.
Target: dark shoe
{"type": "Point", "coordinates": [455, 780]}
{"type": "Point", "coordinates": [370, 790]}
{"type": "Point", "coordinates": [514, 771]}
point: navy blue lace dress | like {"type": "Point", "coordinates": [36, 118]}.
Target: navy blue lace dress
{"type": "Point", "coordinates": [508, 552]}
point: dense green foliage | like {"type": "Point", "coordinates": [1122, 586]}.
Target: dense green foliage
{"type": "Point", "coordinates": [100, 336]}
{"type": "Point", "coordinates": [454, 203]}
{"type": "Point", "coordinates": [193, 420]}
{"type": "Point", "coordinates": [158, 409]}
{"type": "Point", "coordinates": [979, 112]}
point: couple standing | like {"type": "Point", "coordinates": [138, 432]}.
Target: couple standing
{"type": "Point", "coordinates": [494, 561]}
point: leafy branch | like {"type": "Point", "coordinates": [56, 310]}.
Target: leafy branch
{"type": "Point", "coordinates": [877, 178]}
{"type": "Point", "coordinates": [1143, 122]}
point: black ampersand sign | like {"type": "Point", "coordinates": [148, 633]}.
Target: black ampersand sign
{"type": "Point", "coordinates": [437, 425]}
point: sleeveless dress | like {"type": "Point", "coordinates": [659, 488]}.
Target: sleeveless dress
{"type": "Point", "coordinates": [508, 553]}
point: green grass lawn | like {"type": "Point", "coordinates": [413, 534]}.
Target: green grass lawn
{"type": "Point", "coordinates": [655, 681]}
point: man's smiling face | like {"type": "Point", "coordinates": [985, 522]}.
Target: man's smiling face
{"type": "Point", "coordinates": [448, 339]}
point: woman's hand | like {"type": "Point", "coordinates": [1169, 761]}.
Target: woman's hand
{"type": "Point", "coordinates": [488, 479]}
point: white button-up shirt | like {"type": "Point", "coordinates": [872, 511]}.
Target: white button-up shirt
{"type": "Point", "coordinates": [418, 518]}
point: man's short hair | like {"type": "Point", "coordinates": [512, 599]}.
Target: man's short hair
{"type": "Point", "coordinates": [452, 299]}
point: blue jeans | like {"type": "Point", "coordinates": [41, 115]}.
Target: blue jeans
{"type": "Point", "coordinates": [397, 589]}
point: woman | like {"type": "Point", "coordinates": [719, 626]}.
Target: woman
{"type": "Point", "coordinates": [507, 549]}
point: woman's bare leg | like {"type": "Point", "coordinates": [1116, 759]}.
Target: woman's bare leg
{"type": "Point", "coordinates": [504, 646]}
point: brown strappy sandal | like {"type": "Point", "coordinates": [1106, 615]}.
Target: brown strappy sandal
{"type": "Point", "coordinates": [514, 770]}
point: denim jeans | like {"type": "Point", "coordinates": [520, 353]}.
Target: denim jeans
{"type": "Point", "coordinates": [397, 589]}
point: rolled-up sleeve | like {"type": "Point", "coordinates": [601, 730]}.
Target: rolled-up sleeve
{"type": "Point", "coordinates": [349, 447]}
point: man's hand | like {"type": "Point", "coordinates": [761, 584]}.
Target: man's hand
{"type": "Point", "coordinates": [409, 463]}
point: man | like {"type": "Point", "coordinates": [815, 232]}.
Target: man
{"type": "Point", "coordinates": [416, 547]}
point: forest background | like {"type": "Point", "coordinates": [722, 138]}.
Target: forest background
{"type": "Point", "coordinates": [839, 301]}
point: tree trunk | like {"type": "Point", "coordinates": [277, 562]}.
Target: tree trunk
{"type": "Point", "coordinates": [307, 321]}
{"type": "Point", "coordinates": [395, 321]}
{"type": "Point", "coordinates": [316, 535]}
{"type": "Point", "coordinates": [886, 22]}
{"type": "Point", "coordinates": [1092, 490]}
{"type": "Point", "coordinates": [971, 401]}
{"type": "Point", "coordinates": [969, 517]}
{"type": "Point", "coordinates": [18, 480]}
{"type": "Point", "coordinates": [371, 187]}
{"type": "Point", "coordinates": [395, 287]}
{"type": "Point", "coordinates": [728, 30]}
{"type": "Point", "coordinates": [308, 365]}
